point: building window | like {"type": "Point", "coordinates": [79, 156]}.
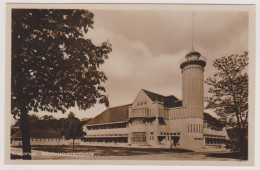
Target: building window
{"type": "Point", "coordinates": [139, 137]}
{"type": "Point", "coordinates": [161, 121]}
{"type": "Point", "coordinates": [111, 126]}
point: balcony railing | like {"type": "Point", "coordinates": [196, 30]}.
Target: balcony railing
{"type": "Point", "coordinates": [145, 112]}
{"type": "Point", "coordinates": [202, 58]}
{"type": "Point", "coordinates": [141, 112]}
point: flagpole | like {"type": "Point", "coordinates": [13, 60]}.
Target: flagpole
{"type": "Point", "coordinates": [193, 14]}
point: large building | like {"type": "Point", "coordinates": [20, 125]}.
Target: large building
{"type": "Point", "coordinates": [158, 121]}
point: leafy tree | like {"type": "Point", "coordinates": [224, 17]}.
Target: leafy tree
{"type": "Point", "coordinates": [229, 97]}
{"type": "Point", "coordinates": [72, 128]}
{"type": "Point", "coordinates": [53, 66]}
{"type": "Point", "coordinates": [47, 117]}
{"type": "Point", "coordinates": [45, 123]}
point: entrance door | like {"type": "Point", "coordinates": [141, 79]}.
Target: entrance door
{"type": "Point", "coordinates": [175, 140]}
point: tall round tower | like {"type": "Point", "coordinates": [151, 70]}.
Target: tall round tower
{"type": "Point", "coordinates": [193, 84]}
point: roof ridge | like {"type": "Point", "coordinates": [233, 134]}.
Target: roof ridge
{"type": "Point", "coordinates": [118, 106]}
{"type": "Point", "coordinates": [153, 92]}
{"type": "Point", "coordinates": [171, 96]}
{"type": "Point", "coordinates": [177, 100]}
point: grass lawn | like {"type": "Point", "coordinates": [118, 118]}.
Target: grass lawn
{"type": "Point", "coordinates": [108, 151]}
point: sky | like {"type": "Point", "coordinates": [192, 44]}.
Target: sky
{"type": "Point", "coordinates": [148, 45]}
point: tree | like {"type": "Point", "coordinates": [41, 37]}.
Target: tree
{"type": "Point", "coordinates": [53, 66]}
{"type": "Point", "coordinates": [46, 122]}
{"type": "Point", "coordinates": [72, 128]}
{"type": "Point", "coordinates": [229, 97]}
{"type": "Point", "coordinates": [47, 117]}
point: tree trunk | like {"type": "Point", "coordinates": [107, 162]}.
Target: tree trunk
{"type": "Point", "coordinates": [25, 129]}
{"type": "Point", "coordinates": [73, 144]}
{"type": "Point", "coordinates": [243, 144]}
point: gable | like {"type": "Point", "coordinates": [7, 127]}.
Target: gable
{"type": "Point", "coordinates": [141, 99]}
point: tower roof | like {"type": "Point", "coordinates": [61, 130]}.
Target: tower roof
{"type": "Point", "coordinates": [193, 53]}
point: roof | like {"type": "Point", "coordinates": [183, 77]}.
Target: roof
{"type": "Point", "coordinates": [193, 53]}
{"type": "Point", "coordinates": [120, 113]}
{"type": "Point", "coordinates": [40, 134]}
{"type": "Point", "coordinates": [168, 101]}
{"type": "Point", "coordinates": [114, 114]}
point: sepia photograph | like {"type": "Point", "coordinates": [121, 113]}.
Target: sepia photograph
{"type": "Point", "coordinates": [149, 82]}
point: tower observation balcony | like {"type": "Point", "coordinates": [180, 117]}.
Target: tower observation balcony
{"type": "Point", "coordinates": [193, 57]}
